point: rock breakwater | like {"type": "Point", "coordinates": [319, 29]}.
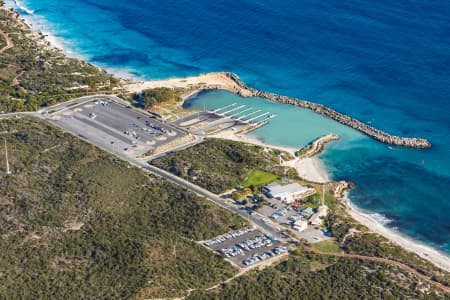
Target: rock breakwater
{"type": "Point", "coordinates": [379, 135]}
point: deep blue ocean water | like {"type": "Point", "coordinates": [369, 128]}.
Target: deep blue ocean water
{"type": "Point", "coordinates": [383, 62]}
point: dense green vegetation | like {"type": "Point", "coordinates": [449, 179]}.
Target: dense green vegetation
{"type": "Point", "coordinates": [375, 245]}
{"type": "Point", "coordinates": [303, 151]}
{"type": "Point", "coordinates": [218, 165]}
{"type": "Point", "coordinates": [77, 223]}
{"type": "Point", "coordinates": [309, 276]}
{"type": "Point", "coordinates": [47, 76]}
{"type": "Point", "coordinates": [152, 97]}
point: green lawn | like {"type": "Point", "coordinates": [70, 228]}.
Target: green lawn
{"type": "Point", "coordinates": [311, 205]}
{"type": "Point", "coordinates": [327, 246]}
{"type": "Point", "coordinates": [258, 178]}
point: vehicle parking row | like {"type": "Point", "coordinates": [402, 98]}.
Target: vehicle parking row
{"type": "Point", "coordinates": [228, 236]}
{"type": "Point", "coordinates": [232, 252]}
{"type": "Point", "coordinates": [256, 242]}
{"type": "Point", "coordinates": [261, 257]}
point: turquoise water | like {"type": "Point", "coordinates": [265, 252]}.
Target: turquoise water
{"type": "Point", "coordinates": [384, 62]}
{"type": "Point", "coordinates": [293, 127]}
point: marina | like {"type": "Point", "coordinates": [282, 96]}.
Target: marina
{"type": "Point", "coordinates": [233, 117]}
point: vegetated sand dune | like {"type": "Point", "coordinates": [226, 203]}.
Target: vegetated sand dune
{"type": "Point", "coordinates": [218, 80]}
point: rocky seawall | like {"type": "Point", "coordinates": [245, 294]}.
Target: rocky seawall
{"type": "Point", "coordinates": [317, 146]}
{"type": "Point", "coordinates": [381, 136]}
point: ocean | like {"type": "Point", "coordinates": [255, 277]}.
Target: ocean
{"type": "Point", "coordinates": [383, 62]}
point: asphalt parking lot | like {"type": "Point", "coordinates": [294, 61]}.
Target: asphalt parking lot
{"type": "Point", "coordinates": [115, 127]}
{"type": "Point", "coordinates": [310, 234]}
{"type": "Point", "coordinates": [271, 213]}
{"type": "Point", "coordinates": [247, 249]}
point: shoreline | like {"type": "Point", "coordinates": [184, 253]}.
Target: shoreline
{"type": "Point", "coordinates": [439, 259]}
{"type": "Point", "coordinates": [211, 81]}
{"type": "Point", "coordinates": [308, 168]}
{"type": "Point", "coordinates": [30, 20]}
{"type": "Point", "coordinates": [41, 27]}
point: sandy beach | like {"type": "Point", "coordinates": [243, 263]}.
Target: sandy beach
{"type": "Point", "coordinates": [217, 80]}
{"type": "Point", "coordinates": [309, 168]}
{"type": "Point", "coordinates": [437, 258]}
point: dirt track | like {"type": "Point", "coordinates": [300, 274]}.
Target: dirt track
{"type": "Point", "coordinates": [9, 42]}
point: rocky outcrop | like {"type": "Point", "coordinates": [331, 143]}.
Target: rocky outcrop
{"type": "Point", "coordinates": [246, 91]}
{"type": "Point", "coordinates": [317, 146]}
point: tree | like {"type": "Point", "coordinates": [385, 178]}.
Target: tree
{"type": "Point", "coordinates": [237, 196]}
{"type": "Point", "coordinates": [153, 97]}
{"type": "Point", "coordinates": [247, 191]}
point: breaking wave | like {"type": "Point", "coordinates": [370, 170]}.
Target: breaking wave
{"type": "Point", "coordinates": [22, 8]}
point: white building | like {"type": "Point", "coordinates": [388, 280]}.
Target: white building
{"type": "Point", "coordinates": [287, 193]}
{"type": "Point", "coordinates": [319, 216]}
{"type": "Point", "coordinates": [300, 225]}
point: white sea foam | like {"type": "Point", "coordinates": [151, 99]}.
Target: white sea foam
{"type": "Point", "coordinates": [22, 8]}
{"type": "Point", "coordinates": [38, 23]}
{"type": "Point", "coordinates": [377, 223]}
{"type": "Point", "coordinates": [124, 73]}
{"type": "Point", "coordinates": [380, 218]}
{"type": "Point", "coordinates": [374, 221]}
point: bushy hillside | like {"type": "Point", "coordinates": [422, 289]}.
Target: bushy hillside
{"type": "Point", "coordinates": [76, 222]}
{"type": "Point", "coordinates": [218, 165]}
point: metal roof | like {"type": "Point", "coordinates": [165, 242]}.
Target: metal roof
{"type": "Point", "coordinates": [292, 188]}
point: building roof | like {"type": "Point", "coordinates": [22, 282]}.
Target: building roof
{"type": "Point", "coordinates": [272, 185]}
{"type": "Point", "coordinates": [307, 211]}
{"type": "Point", "coordinates": [293, 188]}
